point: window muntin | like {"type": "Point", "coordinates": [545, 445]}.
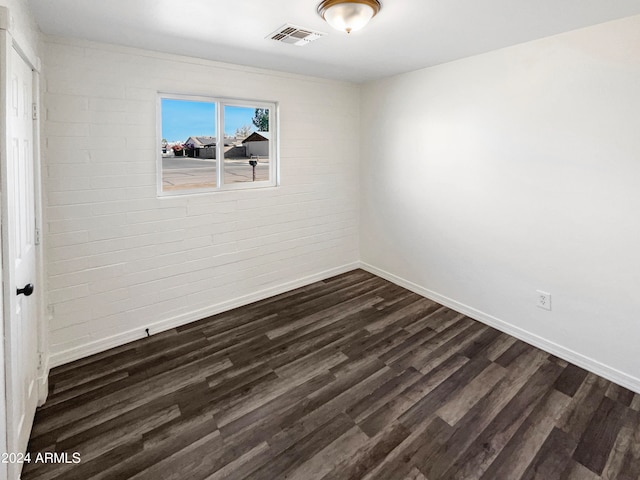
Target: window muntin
{"type": "Point", "coordinates": [191, 158]}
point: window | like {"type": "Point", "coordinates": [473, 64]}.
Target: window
{"type": "Point", "coordinates": [212, 144]}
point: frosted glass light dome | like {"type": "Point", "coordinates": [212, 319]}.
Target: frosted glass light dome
{"type": "Point", "coordinates": [348, 16]}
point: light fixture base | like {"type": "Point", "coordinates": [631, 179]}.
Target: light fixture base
{"type": "Point", "coordinates": [348, 15]}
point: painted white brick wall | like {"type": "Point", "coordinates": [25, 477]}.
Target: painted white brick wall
{"type": "Point", "coordinates": [119, 259]}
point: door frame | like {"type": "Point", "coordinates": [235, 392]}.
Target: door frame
{"type": "Point", "coordinates": [8, 42]}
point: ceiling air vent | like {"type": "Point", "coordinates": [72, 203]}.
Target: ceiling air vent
{"type": "Point", "coordinates": [295, 35]}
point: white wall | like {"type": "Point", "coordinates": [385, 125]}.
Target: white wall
{"type": "Point", "coordinates": [488, 178]}
{"type": "Point", "coordinates": [22, 25]}
{"type": "Point", "coordinates": [119, 258]}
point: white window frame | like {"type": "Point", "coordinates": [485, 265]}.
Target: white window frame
{"type": "Point", "coordinates": [221, 103]}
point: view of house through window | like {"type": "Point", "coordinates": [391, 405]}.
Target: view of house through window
{"type": "Point", "coordinates": [212, 144]}
{"type": "Point", "coordinates": [251, 140]}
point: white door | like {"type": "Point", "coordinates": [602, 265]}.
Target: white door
{"type": "Point", "coordinates": [21, 323]}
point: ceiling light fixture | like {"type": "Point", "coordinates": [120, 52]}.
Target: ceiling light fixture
{"type": "Point", "coordinates": [348, 15]}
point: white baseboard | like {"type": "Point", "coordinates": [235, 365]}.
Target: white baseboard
{"type": "Point", "coordinates": [84, 350]}
{"type": "Point", "coordinates": [605, 371]}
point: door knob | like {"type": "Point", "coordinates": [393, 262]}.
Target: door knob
{"type": "Point", "coordinates": [27, 290]}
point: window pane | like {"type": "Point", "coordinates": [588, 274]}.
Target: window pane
{"type": "Point", "coordinates": [188, 145]}
{"type": "Point", "coordinates": [246, 145]}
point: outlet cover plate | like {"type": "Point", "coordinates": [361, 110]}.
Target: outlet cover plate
{"type": "Point", "coordinates": [543, 300]}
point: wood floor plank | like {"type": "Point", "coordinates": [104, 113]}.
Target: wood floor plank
{"type": "Point", "coordinates": [342, 448]}
{"type": "Point", "coordinates": [583, 406]}
{"type": "Point", "coordinates": [197, 458]}
{"type": "Point", "coordinates": [620, 394]}
{"type": "Point", "coordinates": [483, 412]}
{"type": "Point", "coordinates": [157, 445]}
{"type": "Point", "coordinates": [596, 442]}
{"type": "Point", "coordinates": [515, 351]}
{"type": "Point", "coordinates": [370, 454]}
{"type": "Point", "coordinates": [243, 465]}
{"type": "Point", "coordinates": [517, 454]}
{"type": "Point", "coordinates": [327, 316]}
{"type": "Point", "coordinates": [407, 345]}
{"type": "Point", "coordinates": [348, 378]}
{"type": "Point", "coordinates": [444, 351]}
{"type": "Point", "coordinates": [383, 394]}
{"type": "Point", "coordinates": [628, 438]}
{"type": "Point", "coordinates": [382, 342]}
{"type": "Point", "coordinates": [499, 346]}
{"type": "Point", "coordinates": [571, 379]}
{"type": "Point", "coordinates": [305, 448]}
{"type": "Point", "coordinates": [553, 458]}
{"type": "Point", "coordinates": [415, 474]}
{"type": "Point", "coordinates": [576, 471]}
{"type": "Point", "coordinates": [630, 468]}
{"type": "Point", "coordinates": [475, 460]}
{"type": "Point", "coordinates": [461, 402]}
{"type": "Point", "coordinates": [274, 397]}
{"type": "Point", "coordinates": [417, 356]}
{"type": "Point", "coordinates": [481, 344]}
{"type": "Point", "coordinates": [337, 398]}
{"type": "Point", "coordinates": [402, 459]}
{"type": "Point", "coordinates": [397, 406]}
{"type": "Point", "coordinates": [404, 315]}
{"type": "Point", "coordinates": [441, 394]}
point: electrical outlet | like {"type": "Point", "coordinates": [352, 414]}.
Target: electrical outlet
{"type": "Point", "coordinates": [543, 300]}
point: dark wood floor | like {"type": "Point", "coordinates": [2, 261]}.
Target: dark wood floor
{"type": "Point", "coordinates": [348, 378]}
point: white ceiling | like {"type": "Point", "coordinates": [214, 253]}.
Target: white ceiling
{"type": "Point", "coordinates": [406, 34]}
